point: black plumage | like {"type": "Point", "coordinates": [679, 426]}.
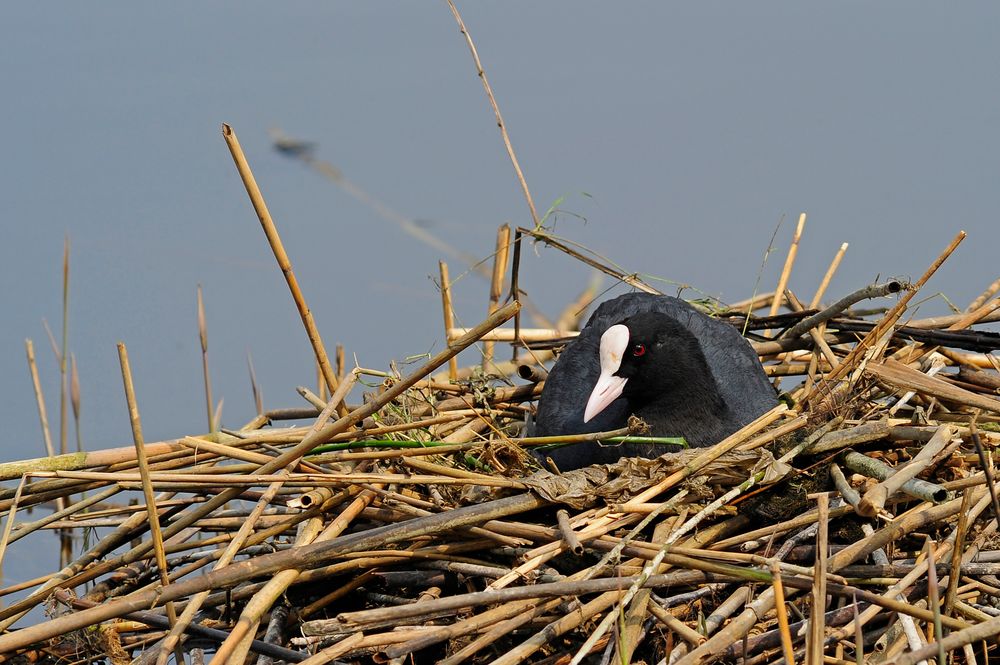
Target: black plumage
{"type": "Point", "coordinates": [696, 377]}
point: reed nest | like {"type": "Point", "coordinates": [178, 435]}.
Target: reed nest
{"type": "Point", "coordinates": [855, 521]}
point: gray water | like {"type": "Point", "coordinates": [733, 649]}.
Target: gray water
{"type": "Point", "coordinates": [683, 134]}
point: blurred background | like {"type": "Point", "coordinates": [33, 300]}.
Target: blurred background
{"type": "Point", "coordinates": [676, 139]}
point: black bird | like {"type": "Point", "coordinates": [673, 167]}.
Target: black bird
{"type": "Point", "coordinates": [684, 373]}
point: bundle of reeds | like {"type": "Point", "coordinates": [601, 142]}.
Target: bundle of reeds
{"type": "Point", "coordinates": [852, 522]}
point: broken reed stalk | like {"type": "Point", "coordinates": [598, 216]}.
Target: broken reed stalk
{"type": "Point", "coordinates": [873, 501]}
{"type": "Point", "coordinates": [147, 488]}
{"type": "Point", "coordinates": [449, 316]}
{"type": "Point", "coordinates": [274, 240]}
{"type": "Point", "coordinates": [481, 73]}
{"type": "Point", "coordinates": [496, 284]}
{"type": "Point", "coordinates": [828, 276]}
{"type": "Point", "coordinates": [817, 626]}
{"type": "Point", "coordinates": [866, 293]}
{"type": "Point", "coordinates": [786, 271]}
{"type": "Point", "coordinates": [9, 524]}
{"type": "Point", "coordinates": [39, 398]}
{"type": "Point", "coordinates": [980, 300]}
{"type": "Point", "coordinates": [330, 654]}
{"type": "Point", "coordinates": [629, 635]}
{"type": "Point", "coordinates": [203, 339]}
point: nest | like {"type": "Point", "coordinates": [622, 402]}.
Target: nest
{"type": "Point", "coordinates": [856, 520]}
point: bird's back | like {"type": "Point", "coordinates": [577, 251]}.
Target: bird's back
{"type": "Point", "coordinates": [735, 368]}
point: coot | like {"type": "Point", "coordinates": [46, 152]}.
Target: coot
{"type": "Point", "coordinates": [684, 373]}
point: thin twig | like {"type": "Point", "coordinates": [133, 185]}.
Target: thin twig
{"type": "Point", "coordinates": [203, 339]}
{"type": "Point", "coordinates": [481, 73]}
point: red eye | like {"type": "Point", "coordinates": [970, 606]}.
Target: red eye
{"type": "Point", "coordinates": [639, 350]}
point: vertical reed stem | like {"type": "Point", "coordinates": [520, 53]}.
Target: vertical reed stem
{"type": "Point", "coordinates": [203, 338]}
{"type": "Point", "coordinates": [782, 613]}
{"type": "Point", "coordinates": [496, 283]}
{"type": "Point", "coordinates": [258, 399]}
{"type": "Point", "coordinates": [74, 394]}
{"type": "Point", "coordinates": [515, 268]}
{"type": "Point", "coordinates": [39, 398]}
{"type": "Point", "coordinates": [449, 319]}
{"type": "Point", "coordinates": [787, 270]}
{"type": "Point", "coordinates": [147, 485]}
{"type": "Point", "coordinates": [340, 362]}
{"type": "Point", "coordinates": [956, 553]}
{"type": "Point", "coordinates": [817, 622]}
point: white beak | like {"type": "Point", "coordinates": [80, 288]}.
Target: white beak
{"type": "Point", "coordinates": [609, 387]}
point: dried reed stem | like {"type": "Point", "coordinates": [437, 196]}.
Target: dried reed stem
{"type": "Point", "coordinates": [786, 271]}
{"type": "Point", "coordinates": [782, 613]}
{"type": "Point", "coordinates": [496, 284]}
{"type": "Point", "coordinates": [481, 73]}
{"type": "Point", "coordinates": [203, 339]}
{"type": "Point", "coordinates": [961, 531]}
{"type": "Point", "coordinates": [331, 653]}
{"type": "Point", "coordinates": [274, 240]}
{"type": "Point", "coordinates": [828, 276]}
{"type": "Point", "coordinates": [39, 397]}
{"type": "Point", "coordinates": [817, 624]}
{"type": "Point", "coordinates": [990, 291]}
{"type": "Point", "coordinates": [632, 280]}
{"type": "Point", "coordinates": [147, 487]}
{"type": "Point", "coordinates": [871, 291]}
{"type": "Point", "coordinates": [449, 315]}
